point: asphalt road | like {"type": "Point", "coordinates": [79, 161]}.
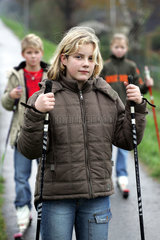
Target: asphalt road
{"type": "Point", "coordinates": [125, 222]}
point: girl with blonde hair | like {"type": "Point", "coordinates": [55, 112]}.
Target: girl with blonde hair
{"type": "Point", "coordinates": [86, 118]}
{"type": "Point", "coordinates": [69, 45]}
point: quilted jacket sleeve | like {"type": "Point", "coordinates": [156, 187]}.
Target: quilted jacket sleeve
{"type": "Point", "coordinates": [31, 136]}
{"type": "Point", "coordinates": [123, 136]}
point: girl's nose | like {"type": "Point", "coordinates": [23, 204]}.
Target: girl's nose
{"type": "Point", "coordinates": [86, 62]}
{"type": "Point", "coordinates": [33, 54]}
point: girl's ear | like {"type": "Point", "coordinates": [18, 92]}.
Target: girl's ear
{"type": "Point", "coordinates": [63, 59]}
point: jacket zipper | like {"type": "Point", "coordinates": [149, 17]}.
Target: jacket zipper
{"type": "Point", "coordinates": [85, 141]}
{"type": "Point", "coordinates": [118, 74]}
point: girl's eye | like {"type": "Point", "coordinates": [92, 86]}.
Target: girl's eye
{"type": "Point", "coordinates": [78, 56]}
{"type": "Point", "coordinates": [91, 58]}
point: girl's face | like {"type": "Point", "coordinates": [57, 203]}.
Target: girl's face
{"type": "Point", "coordinates": [119, 48]}
{"type": "Point", "coordinates": [33, 57]}
{"type": "Point", "coordinates": [80, 65]}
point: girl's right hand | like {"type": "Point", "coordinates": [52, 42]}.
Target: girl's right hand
{"type": "Point", "coordinates": [45, 102]}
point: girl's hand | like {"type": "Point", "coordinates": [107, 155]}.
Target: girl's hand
{"type": "Point", "coordinates": [133, 93]}
{"type": "Point", "coordinates": [45, 102]}
{"type": "Point", "coordinates": [16, 93]}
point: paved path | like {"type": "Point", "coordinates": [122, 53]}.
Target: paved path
{"type": "Point", "coordinates": [10, 55]}
{"type": "Point", "coordinates": [125, 223]}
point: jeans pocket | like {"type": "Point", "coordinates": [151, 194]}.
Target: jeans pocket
{"type": "Point", "coordinates": [98, 225]}
{"type": "Point", "coordinates": [101, 217]}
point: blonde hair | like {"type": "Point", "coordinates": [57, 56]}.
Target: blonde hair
{"type": "Point", "coordinates": [70, 44]}
{"type": "Point", "coordinates": [33, 41]}
{"type": "Point", "coordinates": [119, 36]}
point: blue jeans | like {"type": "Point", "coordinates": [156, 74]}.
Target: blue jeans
{"type": "Point", "coordinates": [22, 172]}
{"type": "Point", "coordinates": [89, 216]}
{"type": "Point", "coordinates": [121, 162]}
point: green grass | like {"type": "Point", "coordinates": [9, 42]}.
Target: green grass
{"type": "Point", "coordinates": [3, 235]}
{"type": "Point", "coordinates": [149, 149]}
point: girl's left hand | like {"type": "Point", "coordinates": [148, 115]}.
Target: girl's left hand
{"type": "Point", "coordinates": [133, 93]}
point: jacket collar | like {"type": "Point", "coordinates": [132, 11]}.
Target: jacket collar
{"type": "Point", "coordinates": [73, 85]}
{"type": "Point", "coordinates": [113, 57]}
{"type": "Point", "coordinates": [92, 84]}
{"type": "Point", "coordinates": [22, 65]}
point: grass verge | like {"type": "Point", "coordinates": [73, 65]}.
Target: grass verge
{"type": "Point", "coordinates": [19, 31]}
{"type": "Point", "coordinates": [148, 149]}
{"type": "Point", "coordinates": [3, 235]}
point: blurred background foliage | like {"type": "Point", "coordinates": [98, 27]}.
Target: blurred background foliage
{"type": "Point", "coordinates": [138, 19]}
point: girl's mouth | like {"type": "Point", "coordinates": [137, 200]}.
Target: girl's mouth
{"type": "Point", "coordinates": [85, 72]}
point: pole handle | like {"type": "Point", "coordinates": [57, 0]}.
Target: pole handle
{"type": "Point", "coordinates": [131, 81]}
{"type": "Point", "coordinates": [147, 72]}
{"type": "Point", "coordinates": [48, 85]}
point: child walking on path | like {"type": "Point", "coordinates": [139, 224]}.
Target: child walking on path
{"type": "Point", "coordinates": [86, 118]}
{"type": "Point", "coordinates": [116, 71]}
{"type": "Point", "coordinates": [22, 83]}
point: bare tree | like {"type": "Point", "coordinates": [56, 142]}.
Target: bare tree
{"type": "Point", "coordinates": [68, 8]}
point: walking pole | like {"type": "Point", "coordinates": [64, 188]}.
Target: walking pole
{"type": "Point", "coordinates": [147, 73]}
{"type": "Point", "coordinates": [44, 147]}
{"type": "Point", "coordinates": [8, 134]}
{"type": "Point", "coordinates": [139, 198]}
